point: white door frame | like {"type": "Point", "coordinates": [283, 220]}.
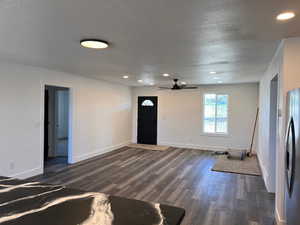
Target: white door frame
{"type": "Point", "coordinates": [273, 129]}
{"type": "Point", "coordinates": [71, 120]}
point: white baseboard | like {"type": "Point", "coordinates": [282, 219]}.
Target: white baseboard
{"type": "Point", "coordinates": [264, 172]}
{"type": "Point", "coordinates": [279, 220]}
{"type": "Point", "coordinates": [266, 176]}
{"type": "Point", "coordinates": [198, 147]}
{"type": "Point", "coordinates": [98, 152]}
{"type": "Point", "coordinates": [37, 171]}
{"type": "Point", "coordinates": [28, 173]}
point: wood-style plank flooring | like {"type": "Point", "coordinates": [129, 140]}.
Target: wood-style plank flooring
{"type": "Point", "coordinates": [179, 177]}
{"type": "Point", "coordinates": [55, 164]}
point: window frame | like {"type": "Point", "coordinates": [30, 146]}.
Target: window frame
{"type": "Point", "coordinates": [215, 134]}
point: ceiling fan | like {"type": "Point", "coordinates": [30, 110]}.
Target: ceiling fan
{"type": "Point", "coordinates": [177, 86]}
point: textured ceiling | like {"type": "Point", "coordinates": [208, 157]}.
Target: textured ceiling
{"type": "Point", "coordinates": [186, 38]}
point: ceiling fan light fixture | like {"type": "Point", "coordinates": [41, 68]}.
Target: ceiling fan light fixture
{"type": "Point", "coordinates": [94, 44]}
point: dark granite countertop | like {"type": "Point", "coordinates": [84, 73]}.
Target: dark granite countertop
{"type": "Point", "coordinates": [33, 203]}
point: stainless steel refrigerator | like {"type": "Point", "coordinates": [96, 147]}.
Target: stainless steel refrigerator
{"type": "Point", "coordinates": [292, 158]}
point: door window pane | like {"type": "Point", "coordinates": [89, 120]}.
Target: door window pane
{"type": "Point", "coordinates": [147, 103]}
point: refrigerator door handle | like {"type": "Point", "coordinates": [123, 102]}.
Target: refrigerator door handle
{"type": "Point", "coordinates": [287, 158]}
{"type": "Point", "coordinates": [290, 156]}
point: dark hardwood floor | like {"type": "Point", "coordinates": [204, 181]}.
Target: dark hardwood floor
{"type": "Point", "coordinates": [179, 177]}
{"type": "Point", "coordinates": [55, 164]}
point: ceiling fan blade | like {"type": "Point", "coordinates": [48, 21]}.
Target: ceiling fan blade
{"type": "Point", "coordinates": [164, 88]}
{"type": "Point", "coordinates": [189, 88]}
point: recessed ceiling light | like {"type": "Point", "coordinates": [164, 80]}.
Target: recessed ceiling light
{"type": "Point", "coordinates": [219, 82]}
{"type": "Point", "coordinates": [212, 72]}
{"type": "Point", "coordinates": [151, 84]}
{"type": "Point", "coordinates": [216, 78]}
{"type": "Point", "coordinates": [166, 74]}
{"type": "Point", "coordinates": [125, 77]}
{"type": "Point", "coordinates": [140, 81]}
{"type": "Point", "coordinates": [285, 16]}
{"type": "Point", "coordinates": [94, 43]}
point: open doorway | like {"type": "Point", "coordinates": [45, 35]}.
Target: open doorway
{"type": "Point", "coordinates": [56, 128]}
{"type": "Point", "coordinates": [273, 130]}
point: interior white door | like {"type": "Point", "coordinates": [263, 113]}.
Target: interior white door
{"type": "Point", "coordinates": [62, 122]}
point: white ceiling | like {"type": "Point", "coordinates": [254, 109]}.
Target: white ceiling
{"type": "Point", "coordinates": [186, 38]}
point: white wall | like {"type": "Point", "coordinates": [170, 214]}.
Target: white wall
{"type": "Point", "coordinates": [180, 116]}
{"type": "Point", "coordinates": [286, 64]}
{"type": "Point", "coordinates": [265, 153]}
{"type": "Point", "coordinates": [101, 117]}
